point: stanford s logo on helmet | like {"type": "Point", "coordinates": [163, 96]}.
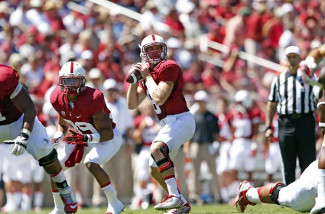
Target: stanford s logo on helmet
{"type": "Point", "coordinates": [72, 78]}
{"type": "Point", "coordinates": [153, 49]}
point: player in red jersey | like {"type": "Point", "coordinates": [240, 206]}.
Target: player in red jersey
{"type": "Point", "coordinates": [94, 139]}
{"type": "Point", "coordinates": [18, 120]}
{"type": "Point", "coordinates": [163, 84]}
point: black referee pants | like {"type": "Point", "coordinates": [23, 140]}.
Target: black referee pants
{"type": "Point", "coordinates": [297, 138]}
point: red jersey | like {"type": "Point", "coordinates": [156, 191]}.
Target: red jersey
{"type": "Point", "coordinates": [243, 120]}
{"type": "Point", "coordinates": [168, 70]}
{"type": "Point", "coordinates": [9, 80]}
{"type": "Point", "coordinates": [88, 103]}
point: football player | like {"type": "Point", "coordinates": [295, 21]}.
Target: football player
{"type": "Point", "coordinates": [244, 121]}
{"type": "Point", "coordinates": [314, 58]}
{"type": "Point", "coordinates": [93, 139]}
{"type": "Point", "coordinates": [162, 84]}
{"type": "Point", "coordinates": [18, 121]}
{"type": "Point", "coordinates": [299, 195]}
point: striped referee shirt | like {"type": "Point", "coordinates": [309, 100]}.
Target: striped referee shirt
{"type": "Point", "coordinates": [291, 94]}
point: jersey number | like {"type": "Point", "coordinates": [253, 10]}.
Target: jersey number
{"type": "Point", "coordinates": [154, 104]}
{"type": "Point", "coordinates": [2, 118]}
{"type": "Point", "coordinates": [82, 126]}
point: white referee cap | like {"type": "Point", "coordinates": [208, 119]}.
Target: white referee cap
{"type": "Point", "coordinates": [292, 49]}
{"type": "Point", "coordinates": [201, 96]}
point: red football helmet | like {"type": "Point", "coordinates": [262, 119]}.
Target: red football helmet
{"type": "Point", "coordinates": [153, 49]}
{"type": "Point", "coordinates": [72, 78]}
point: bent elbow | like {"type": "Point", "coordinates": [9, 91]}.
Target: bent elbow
{"type": "Point", "coordinates": [109, 135]}
{"type": "Point", "coordinates": [159, 102]}
{"type": "Point", "coordinates": [131, 107]}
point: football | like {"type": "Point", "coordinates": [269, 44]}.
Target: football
{"type": "Point", "coordinates": [133, 76]}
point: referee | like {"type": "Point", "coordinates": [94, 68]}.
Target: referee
{"type": "Point", "coordinates": [293, 100]}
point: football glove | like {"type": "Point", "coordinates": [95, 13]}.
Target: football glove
{"type": "Point", "coordinates": [20, 144]}
{"type": "Point", "coordinates": [76, 138]}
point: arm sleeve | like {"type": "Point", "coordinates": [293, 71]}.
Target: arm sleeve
{"type": "Point", "coordinates": [169, 73]}
{"type": "Point", "coordinates": [98, 103]}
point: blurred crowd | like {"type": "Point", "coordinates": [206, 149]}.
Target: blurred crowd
{"type": "Point", "coordinates": [37, 37]}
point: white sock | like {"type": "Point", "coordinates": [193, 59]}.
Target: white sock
{"type": "Point", "coordinates": [16, 199]}
{"type": "Point", "coordinates": [252, 195]}
{"type": "Point", "coordinates": [109, 192]}
{"type": "Point", "coordinates": [79, 197]}
{"type": "Point", "coordinates": [140, 193]}
{"type": "Point", "coordinates": [321, 183]}
{"type": "Point", "coordinates": [38, 199]}
{"type": "Point", "coordinates": [9, 204]}
{"type": "Point", "coordinates": [224, 193]}
{"type": "Point", "coordinates": [58, 203]}
{"type": "Point", "coordinates": [26, 204]}
{"type": "Point", "coordinates": [59, 178]}
{"type": "Point", "coordinates": [172, 186]}
{"type": "Point", "coordinates": [183, 199]}
{"type": "Point", "coordinates": [233, 188]}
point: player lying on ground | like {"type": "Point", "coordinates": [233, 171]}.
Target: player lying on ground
{"type": "Point", "coordinates": [299, 195]}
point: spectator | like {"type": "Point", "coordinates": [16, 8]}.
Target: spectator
{"type": "Point", "coordinates": [201, 147]}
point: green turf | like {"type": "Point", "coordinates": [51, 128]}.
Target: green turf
{"type": "Point", "coordinates": [204, 209]}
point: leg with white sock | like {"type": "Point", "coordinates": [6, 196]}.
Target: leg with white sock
{"type": "Point", "coordinates": [26, 204]}
{"type": "Point", "coordinates": [52, 166]}
{"type": "Point", "coordinates": [13, 194]}
{"type": "Point", "coordinates": [58, 203]}
{"type": "Point", "coordinates": [115, 206]}
{"type": "Point", "coordinates": [160, 154]}
{"type": "Point", "coordinates": [249, 195]}
{"type": "Point", "coordinates": [38, 200]}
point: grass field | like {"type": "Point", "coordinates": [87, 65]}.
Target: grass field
{"type": "Point", "coordinates": [204, 209]}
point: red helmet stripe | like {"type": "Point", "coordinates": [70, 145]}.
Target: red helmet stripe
{"type": "Point", "coordinates": [153, 37]}
{"type": "Point", "coordinates": [71, 68]}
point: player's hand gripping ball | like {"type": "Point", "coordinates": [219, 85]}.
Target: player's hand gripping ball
{"type": "Point", "coordinates": [134, 74]}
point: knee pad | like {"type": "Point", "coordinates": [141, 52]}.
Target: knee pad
{"type": "Point", "coordinates": [48, 159]}
{"type": "Point", "coordinates": [166, 162]}
{"type": "Point", "coordinates": [274, 192]}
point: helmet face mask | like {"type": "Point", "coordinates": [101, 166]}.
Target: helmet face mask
{"type": "Point", "coordinates": [153, 49]}
{"type": "Point", "coordinates": [72, 84]}
{"type": "Point", "coordinates": [72, 78]}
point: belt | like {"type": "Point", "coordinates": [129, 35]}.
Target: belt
{"type": "Point", "coordinates": [295, 116]}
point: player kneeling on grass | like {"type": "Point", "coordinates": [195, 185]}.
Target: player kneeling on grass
{"type": "Point", "coordinates": [94, 138]}
{"type": "Point", "coordinates": [299, 195]}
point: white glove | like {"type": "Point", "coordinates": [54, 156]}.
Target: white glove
{"type": "Point", "coordinates": [20, 145]}
{"type": "Point", "coordinates": [56, 141]}
{"type": "Point", "coordinates": [58, 137]}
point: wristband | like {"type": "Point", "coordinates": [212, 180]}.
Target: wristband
{"type": "Point", "coordinates": [59, 134]}
{"type": "Point", "coordinates": [321, 125]}
{"type": "Point", "coordinates": [151, 86]}
{"type": "Point", "coordinates": [320, 103]}
{"type": "Point", "coordinates": [92, 138]}
{"type": "Point", "coordinates": [25, 133]}
{"type": "Point", "coordinates": [267, 128]}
